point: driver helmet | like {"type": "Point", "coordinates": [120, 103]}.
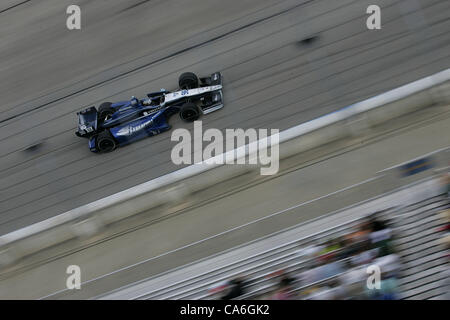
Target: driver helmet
{"type": "Point", "coordinates": [134, 101]}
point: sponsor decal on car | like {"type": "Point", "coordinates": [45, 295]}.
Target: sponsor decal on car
{"type": "Point", "coordinates": [129, 130]}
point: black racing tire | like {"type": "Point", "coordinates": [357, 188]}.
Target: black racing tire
{"type": "Point", "coordinates": [104, 110]}
{"type": "Point", "coordinates": [105, 142]}
{"type": "Point", "coordinates": [188, 80]}
{"type": "Point", "coordinates": [189, 112]}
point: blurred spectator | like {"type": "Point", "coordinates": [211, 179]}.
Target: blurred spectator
{"type": "Point", "coordinates": [331, 250]}
{"type": "Point", "coordinates": [381, 237]}
{"type": "Point", "coordinates": [346, 248]}
{"type": "Point", "coordinates": [310, 275]}
{"type": "Point", "coordinates": [285, 286]}
{"type": "Point", "coordinates": [353, 281]}
{"type": "Point", "coordinates": [388, 264]}
{"type": "Point", "coordinates": [361, 234]}
{"type": "Point", "coordinates": [310, 251]}
{"type": "Point", "coordinates": [330, 245]}
{"type": "Point", "coordinates": [332, 268]}
{"type": "Point", "coordinates": [364, 256]}
{"type": "Point", "coordinates": [331, 291]}
{"type": "Point", "coordinates": [388, 288]}
{"type": "Point", "coordinates": [445, 217]}
{"type": "Point", "coordinates": [235, 289]}
{"type": "Point", "coordinates": [377, 225]}
{"type": "Point", "coordinates": [322, 293]}
{"type": "Point", "coordinates": [446, 182]}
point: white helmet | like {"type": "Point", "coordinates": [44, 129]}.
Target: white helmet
{"type": "Point", "coordinates": [134, 101]}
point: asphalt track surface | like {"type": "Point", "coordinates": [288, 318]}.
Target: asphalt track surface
{"type": "Point", "coordinates": [271, 78]}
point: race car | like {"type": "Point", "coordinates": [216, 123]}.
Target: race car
{"type": "Point", "coordinates": [121, 123]}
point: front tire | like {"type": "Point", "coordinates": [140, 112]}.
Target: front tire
{"type": "Point", "coordinates": [189, 112]}
{"type": "Point", "coordinates": [188, 80]}
{"type": "Point", "coordinates": [105, 142]}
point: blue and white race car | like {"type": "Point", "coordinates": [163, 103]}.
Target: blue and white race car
{"type": "Point", "coordinates": [121, 123]}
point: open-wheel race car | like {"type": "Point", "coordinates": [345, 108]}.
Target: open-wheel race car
{"type": "Point", "coordinates": [121, 123]}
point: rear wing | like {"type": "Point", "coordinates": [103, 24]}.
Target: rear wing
{"type": "Point", "coordinates": [216, 98]}
{"type": "Point", "coordinates": [87, 122]}
{"type": "Point", "coordinates": [215, 103]}
{"type": "Point", "coordinates": [213, 80]}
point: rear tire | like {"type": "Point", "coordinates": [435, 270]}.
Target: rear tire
{"type": "Point", "coordinates": [188, 80]}
{"type": "Point", "coordinates": [189, 112]}
{"type": "Point", "coordinates": [104, 110]}
{"type": "Point", "coordinates": [105, 142]}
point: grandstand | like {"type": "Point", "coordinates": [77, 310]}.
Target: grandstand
{"type": "Point", "coordinates": [262, 265]}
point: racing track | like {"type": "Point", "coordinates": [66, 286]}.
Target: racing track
{"type": "Point", "coordinates": [271, 79]}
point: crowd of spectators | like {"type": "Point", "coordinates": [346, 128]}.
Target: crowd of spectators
{"type": "Point", "coordinates": [337, 268]}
